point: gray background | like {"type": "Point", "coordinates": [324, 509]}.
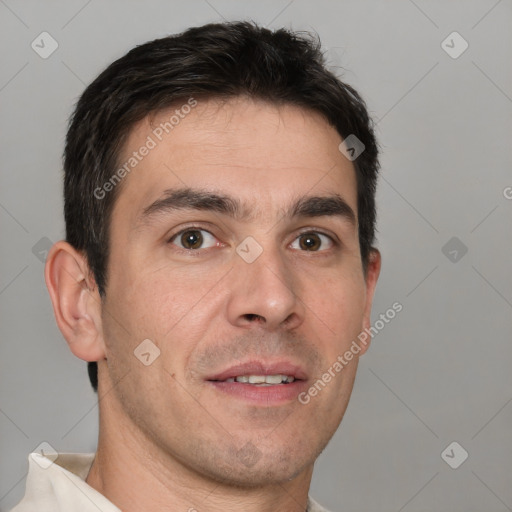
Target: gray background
{"type": "Point", "coordinates": [440, 371]}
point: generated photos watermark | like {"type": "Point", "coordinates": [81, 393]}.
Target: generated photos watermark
{"type": "Point", "coordinates": [343, 359]}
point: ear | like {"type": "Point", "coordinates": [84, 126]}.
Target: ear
{"type": "Point", "coordinates": [76, 301]}
{"type": "Point", "coordinates": [371, 277]}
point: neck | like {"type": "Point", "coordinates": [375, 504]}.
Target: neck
{"type": "Point", "coordinates": [135, 474]}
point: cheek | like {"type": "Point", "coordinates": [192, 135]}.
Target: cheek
{"type": "Point", "coordinates": [169, 306]}
{"type": "Point", "coordinates": [337, 307]}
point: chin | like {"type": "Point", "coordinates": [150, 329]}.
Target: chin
{"type": "Point", "coordinates": [260, 475]}
{"type": "Point", "coordinates": [252, 466]}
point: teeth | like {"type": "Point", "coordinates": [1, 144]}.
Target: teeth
{"type": "Point", "coordinates": [257, 379]}
{"type": "Point", "coordinates": [262, 379]}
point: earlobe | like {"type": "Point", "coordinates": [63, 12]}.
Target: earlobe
{"type": "Point", "coordinates": [76, 301]}
{"type": "Point", "coordinates": [371, 277]}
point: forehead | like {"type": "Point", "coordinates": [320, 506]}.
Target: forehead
{"type": "Point", "coordinates": [259, 152]}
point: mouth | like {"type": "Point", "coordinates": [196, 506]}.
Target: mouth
{"type": "Point", "coordinates": [262, 380]}
{"type": "Point", "coordinates": [256, 381]}
{"type": "Point", "coordinates": [261, 373]}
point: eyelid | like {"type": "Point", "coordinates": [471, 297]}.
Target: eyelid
{"type": "Point", "coordinates": [194, 225]}
{"type": "Point", "coordinates": [320, 231]}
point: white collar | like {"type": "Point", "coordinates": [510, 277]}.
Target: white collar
{"type": "Point", "coordinates": [61, 486]}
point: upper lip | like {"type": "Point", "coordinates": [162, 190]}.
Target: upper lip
{"type": "Point", "coordinates": [261, 368]}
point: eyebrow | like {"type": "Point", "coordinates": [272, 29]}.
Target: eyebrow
{"type": "Point", "coordinates": [187, 198]}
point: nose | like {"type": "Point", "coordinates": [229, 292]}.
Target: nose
{"type": "Point", "coordinates": [264, 293]}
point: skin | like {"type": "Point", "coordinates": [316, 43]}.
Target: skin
{"type": "Point", "coordinates": [169, 440]}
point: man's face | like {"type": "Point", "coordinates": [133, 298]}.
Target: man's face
{"type": "Point", "coordinates": [271, 292]}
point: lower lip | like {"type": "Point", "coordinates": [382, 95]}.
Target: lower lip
{"type": "Point", "coordinates": [265, 395]}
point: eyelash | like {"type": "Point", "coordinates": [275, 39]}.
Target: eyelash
{"type": "Point", "coordinates": [334, 242]}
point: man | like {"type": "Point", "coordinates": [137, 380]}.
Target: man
{"type": "Point", "coordinates": [217, 271]}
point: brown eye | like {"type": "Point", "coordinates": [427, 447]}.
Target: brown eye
{"type": "Point", "coordinates": [313, 242]}
{"type": "Point", "coordinates": [193, 239]}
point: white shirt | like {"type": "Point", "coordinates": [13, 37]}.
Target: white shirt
{"type": "Point", "coordinates": [60, 486]}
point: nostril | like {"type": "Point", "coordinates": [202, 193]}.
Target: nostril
{"type": "Point", "coordinates": [252, 316]}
